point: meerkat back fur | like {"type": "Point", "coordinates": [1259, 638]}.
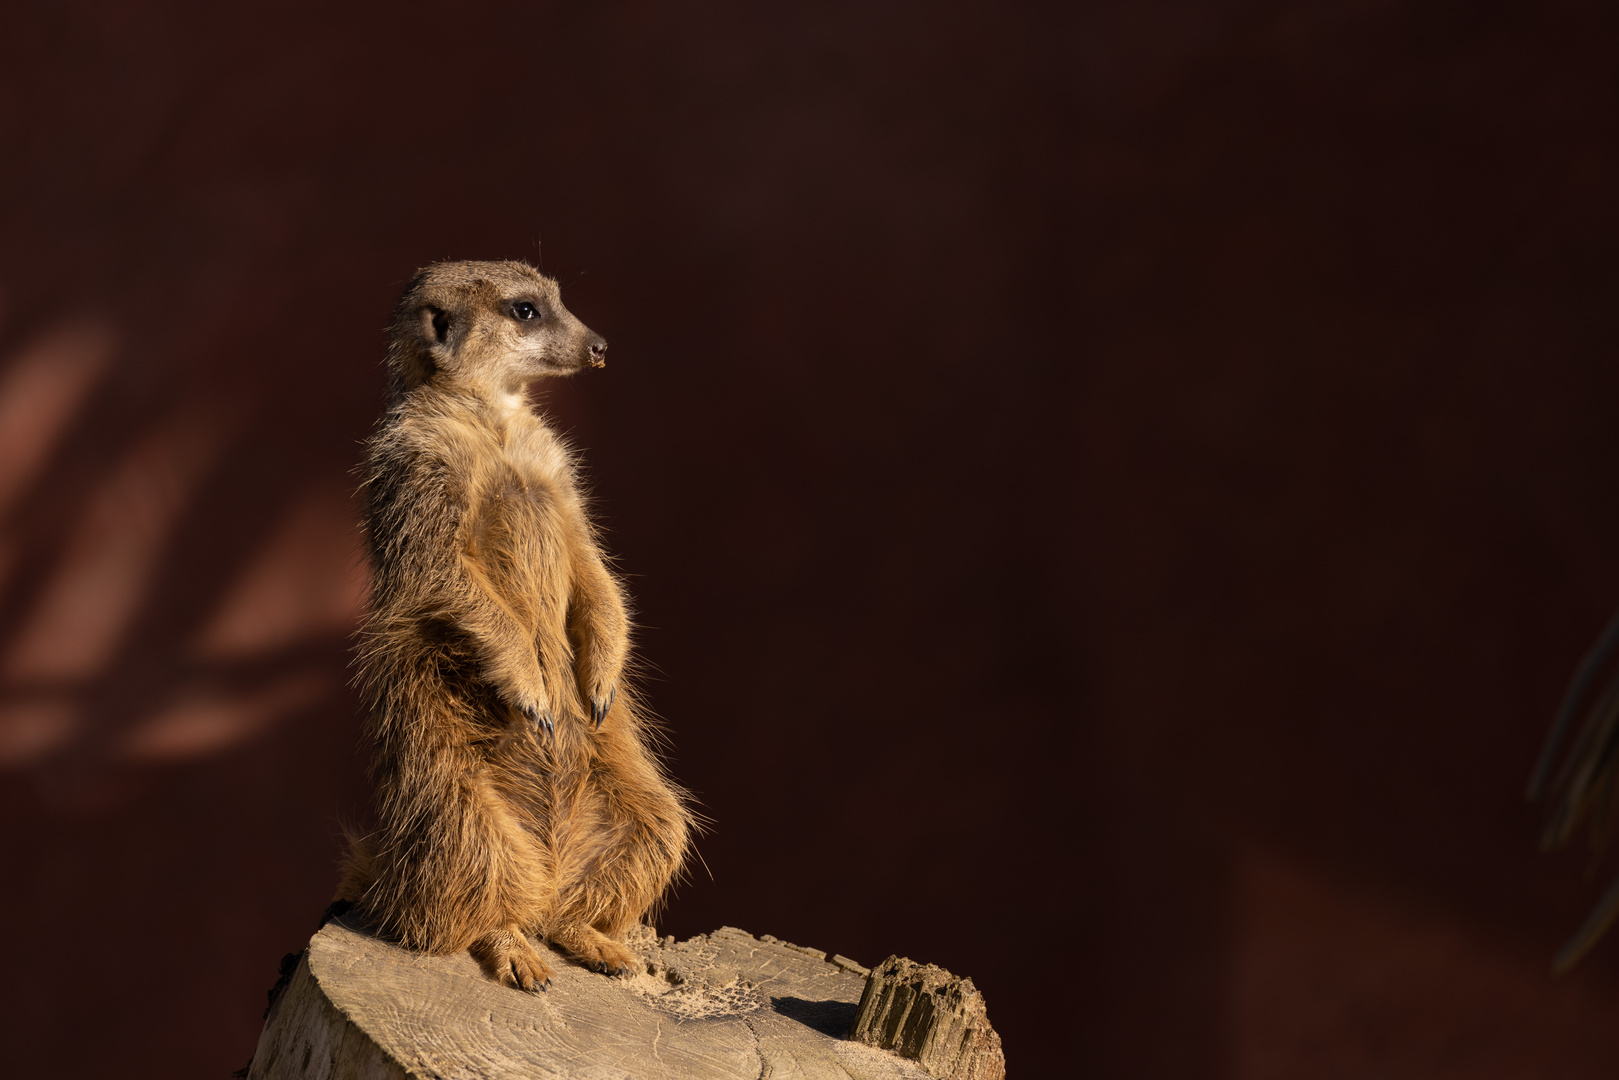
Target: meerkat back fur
{"type": "Point", "coordinates": [517, 791]}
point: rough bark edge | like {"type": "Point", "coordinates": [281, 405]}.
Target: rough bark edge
{"type": "Point", "coordinates": [924, 1013]}
{"type": "Point", "coordinates": [306, 1038]}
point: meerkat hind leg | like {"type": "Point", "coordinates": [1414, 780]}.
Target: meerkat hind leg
{"type": "Point", "coordinates": [509, 958]}
{"type": "Point", "coordinates": [594, 949]}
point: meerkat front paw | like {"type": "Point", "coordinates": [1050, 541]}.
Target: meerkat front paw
{"type": "Point", "coordinates": [540, 718]}
{"type": "Point", "coordinates": [601, 706]}
{"type": "Point", "coordinates": [598, 684]}
{"type": "Point", "coordinates": [533, 708]}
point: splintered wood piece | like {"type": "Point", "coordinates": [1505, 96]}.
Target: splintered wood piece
{"type": "Point", "coordinates": [925, 1013]}
{"type": "Point", "coordinates": [721, 1006]}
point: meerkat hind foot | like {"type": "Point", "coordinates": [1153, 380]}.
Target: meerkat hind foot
{"type": "Point", "coordinates": [509, 959]}
{"type": "Point", "coordinates": [596, 951]}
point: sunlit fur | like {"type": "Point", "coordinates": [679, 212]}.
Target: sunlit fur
{"type": "Point", "coordinates": [492, 611]}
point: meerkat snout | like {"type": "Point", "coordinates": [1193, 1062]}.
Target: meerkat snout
{"type": "Point", "coordinates": [598, 353]}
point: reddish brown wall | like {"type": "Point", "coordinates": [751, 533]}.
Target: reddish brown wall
{"type": "Point", "coordinates": [1158, 461]}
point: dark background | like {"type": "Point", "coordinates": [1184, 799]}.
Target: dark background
{"type": "Point", "coordinates": [1112, 492]}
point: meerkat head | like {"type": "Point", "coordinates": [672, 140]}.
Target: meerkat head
{"type": "Point", "coordinates": [492, 326]}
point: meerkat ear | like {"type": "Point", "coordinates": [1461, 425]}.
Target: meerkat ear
{"type": "Point", "coordinates": [437, 323]}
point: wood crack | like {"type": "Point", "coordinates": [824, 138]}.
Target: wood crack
{"type": "Point", "coordinates": [758, 1048]}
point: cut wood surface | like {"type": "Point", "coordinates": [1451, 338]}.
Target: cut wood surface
{"type": "Point", "coordinates": [720, 1005]}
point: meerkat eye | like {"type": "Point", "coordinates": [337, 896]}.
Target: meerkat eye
{"type": "Point", "coordinates": [525, 310]}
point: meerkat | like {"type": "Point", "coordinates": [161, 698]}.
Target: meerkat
{"type": "Point", "coordinates": [517, 790]}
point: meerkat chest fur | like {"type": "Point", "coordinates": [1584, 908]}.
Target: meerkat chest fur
{"type": "Point", "coordinates": [522, 518]}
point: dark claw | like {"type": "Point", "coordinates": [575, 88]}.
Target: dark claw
{"type": "Point", "coordinates": [540, 719]}
{"type": "Point", "coordinates": [599, 713]}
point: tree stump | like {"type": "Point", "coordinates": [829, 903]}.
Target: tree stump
{"type": "Point", "coordinates": [721, 1005]}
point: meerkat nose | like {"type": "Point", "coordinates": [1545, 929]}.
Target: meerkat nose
{"type": "Point", "coordinates": [598, 353]}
